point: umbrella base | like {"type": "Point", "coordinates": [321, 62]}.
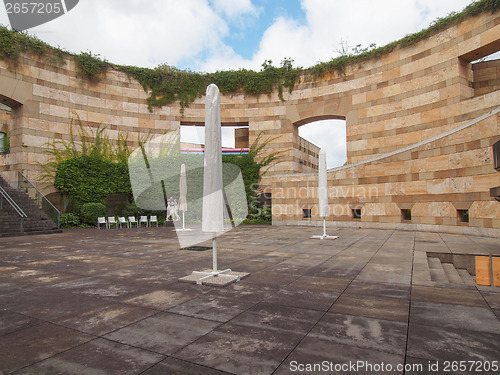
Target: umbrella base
{"type": "Point", "coordinates": [214, 278]}
{"type": "Point", "coordinates": [183, 230]}
{"type": "Point", "coordinates": [326, 236]}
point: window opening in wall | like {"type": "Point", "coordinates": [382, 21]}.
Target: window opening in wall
{"type": "Point", "coordinates": [329, 135]}
{"type": "Point", "coordinates": [307, 213]}
{"type": "Point", "coordinates": [463, 216]}
{"type": "Point", "coordinates": [356, 213]}
{"type": "Point", "coordinates": [406, 214]}
{"type": "Point", "coordinates": [233, 137]}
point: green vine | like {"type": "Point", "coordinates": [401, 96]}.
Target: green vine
{"type": "Point", "coordinates": [168, 84]}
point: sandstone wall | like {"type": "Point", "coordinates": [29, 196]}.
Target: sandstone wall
{"type": "Point", "coordinates": [407, 96]}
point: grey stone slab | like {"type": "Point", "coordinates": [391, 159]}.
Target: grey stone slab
{"type": "Point", "coordinates": [448, 295]}
{"type": "Point", "coordinates": [280, 318]}
{"type": "Point", "coordinates": [379, 289]}
{"type": "Point", "coordinates": [454, 316]}
{"type": "Point", "coordinates": [48, 304]}
{"type": "Point", "coordinates": [304, 298]}
{"type": "Point", "coordinates": [163, 333]}
{"type": "Point", "coordinates": [216, 308]}
{"type": "Point", "coordinates": [173, 366]}
{"type": "Point", "coordinates": [33, 344]}
{"type": "Point", "coordinates": [326, 284]}
{"type": "Point", "coordinates": [268, 278]}
{"type": "Point", "coordinates": [373, 307]}
{"type": "Point", "coordinates": [10, 322]}
{"type": "Point", "coordinates": [96, 357]}
{"type": "Point", "coordinates": [241, 350]}
{"type": "Point", "coordinates": [105, 317]}
{"type": "Point", "coordinates": [368, 333]}
{"type": "Point", "coordinates": [452, 344]}
{"type": "Point", "coordinates": [328, 357]}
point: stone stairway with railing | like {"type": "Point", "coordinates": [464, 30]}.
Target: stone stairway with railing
{"type": "Point", "coordinates": [36, 222]}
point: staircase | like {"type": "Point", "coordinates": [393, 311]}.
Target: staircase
{"type": "Point", "coordinates": [446, 273]}
{"type": "Point", "coordinates": [432, 271]}
{"type": "Point", "coordinates": [37, 221]}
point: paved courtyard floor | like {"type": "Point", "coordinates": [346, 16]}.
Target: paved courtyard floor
{"type": "Point", "coordinates": [91, 301]}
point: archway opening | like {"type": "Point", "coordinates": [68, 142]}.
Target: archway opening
{"type": "Point", "coordinates": [329, 135]}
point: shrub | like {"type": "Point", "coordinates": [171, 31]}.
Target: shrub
{"type": "Point", "coordinates": [69, 220]}
{"type": "Point", "coordinates": [91, 211]}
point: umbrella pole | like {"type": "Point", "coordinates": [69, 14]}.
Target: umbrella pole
{"type": "Point", "coordinates": [214, 247]}
{"type": "Point", "coordinates": [324, 227]}
{"type": "Point", "coordinates": [183, 227]}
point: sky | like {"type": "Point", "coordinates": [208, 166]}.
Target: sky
{"type": "Point", "coordinates": [210, 35]}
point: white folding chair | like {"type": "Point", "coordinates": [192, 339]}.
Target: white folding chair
{"type": "Point", "coordinates": [101, 220]}
{"type": "Point", "coordinates": [111, 221]}
{"type": "Point", "coordinates": [132, 220]}
{"type": "Point", "coordinates": [144, 219]}
{"type": "Point", "coordinates": [153, 219]}
{"type": "Point", "coordinates": [122, 220]}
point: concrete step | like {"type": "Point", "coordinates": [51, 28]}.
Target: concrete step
{"type": "Point", "coordinates": [467, 278]}
{"type": "Point", "coordinates": [452, 274]}
{"type": "Point", "coordinates": [437, 271]}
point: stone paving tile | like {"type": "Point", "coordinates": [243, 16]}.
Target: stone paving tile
{"type": "Point", "coordinates": [104, 318]}
{"type": "Point", "coordinates": [304, 298]}
{"type": "Point", "coordinates": [11, 321]}
{"type": "Point", "coordinates": [368, 333]}
{"type": "Point", "coordinates": [452, 344]}
{"type": "Point", "coordinates": [216, 308]}
{"type": "Point", "coordinates": [456, 317]}
{"type": "Point", "coordinates": [173, 366]}
{"type": "Point", "coordinates": [163, 333]}
{"type": "Point", "coordinates": [276, 317]}
{"type": "Point", "coordinates": [32, 344]}
{"type": "Point", "coordinates": [241, 350]}
{"type": "Point", "coordinates": [96, 357]}
{"type": "Point", "coordinates": [333, 358]}
{"type": "Point", "coordinates": [373, 307]}
{"type": "Point", "coordinates": [379, 289]}
{"type": "Point", "coordinates": [48, 304]}
{"type": "Point", "coordinates": [267, 278]}
{"type": "Point", "coordinates": [448, 295]}
{"type": "Point", "coordinates": [326, 284]}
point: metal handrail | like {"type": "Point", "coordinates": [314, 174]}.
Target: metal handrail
{"type": "Point", "coordinates": [39, 194]}
{"type": "Point", "coordinates": [12, 202]}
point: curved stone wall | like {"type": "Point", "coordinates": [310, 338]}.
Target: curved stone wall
{"type": "Point", "coordinates": [392, 102]}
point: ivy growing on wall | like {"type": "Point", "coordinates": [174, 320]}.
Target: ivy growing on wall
{"type": "Point", "coordinates": [168, 84]}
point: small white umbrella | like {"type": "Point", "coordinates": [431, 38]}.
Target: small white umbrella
{"type": "Point", "coordinates": [324, 210]}
{"type": "Point", "coordinates": [183, 196]}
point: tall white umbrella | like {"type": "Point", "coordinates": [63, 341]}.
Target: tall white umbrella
{"type": "Point", "coordinates": [324, 209]}
{"type": "Point", "coordinates": [213, 195]}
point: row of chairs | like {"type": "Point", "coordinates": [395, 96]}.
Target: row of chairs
{"type": "Point", "coordinates": [128, 223]}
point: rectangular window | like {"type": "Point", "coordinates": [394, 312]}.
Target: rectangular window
{"type": "Point", "coordinates": [356, 213]}
{"type": "Point", "coordinates": [307, 213]}
{"type": "Point", "coordinates": [463, 216]}
{"type": "Point", "coordinates": [406, 215]}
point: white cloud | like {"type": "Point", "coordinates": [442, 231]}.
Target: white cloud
{"type": "Point", "coordinates": [134, 32]}
{"type": "Point", "coordinates": [235, 8]}
{"type": "Point", "coordinates": [330, 135]}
